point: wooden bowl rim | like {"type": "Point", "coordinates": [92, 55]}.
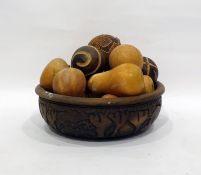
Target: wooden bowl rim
{"type": "Point", "coordinates": [69, 100]}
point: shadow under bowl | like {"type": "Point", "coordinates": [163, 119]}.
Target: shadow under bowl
{"type": "Point", "coordinates": [98, 118]}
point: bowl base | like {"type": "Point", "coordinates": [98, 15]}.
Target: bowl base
{"type": "Point", "coordinates": [99, 123]}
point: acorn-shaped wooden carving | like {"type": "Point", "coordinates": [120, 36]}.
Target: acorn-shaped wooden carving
{"type": "Point", "coordinates": [88, 59]}
{"type": "Point", "coordinates": [150, 68]}
{"type": "Point", "coordinates": [105, 44]}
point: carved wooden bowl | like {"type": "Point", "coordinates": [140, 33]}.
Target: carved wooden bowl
{"type": "Point", "coordinates": [97, 118]}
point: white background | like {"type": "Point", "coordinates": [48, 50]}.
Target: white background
{"type": "Point", "coordinates": [34, 32]}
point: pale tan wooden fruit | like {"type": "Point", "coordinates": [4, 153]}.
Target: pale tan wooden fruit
{"type": "Point", "coordinates": [125, 53]}
{"type": "Point", "coordinates": [109, 96]}
{"type": "Point", "coordinates": [149, 85]}
{"type": "Point", "coordinates": [70, 82]}
{"type": "Point", "coordinates": [124, 80]}
{"type": "Point", "coordinates": [49, 72]}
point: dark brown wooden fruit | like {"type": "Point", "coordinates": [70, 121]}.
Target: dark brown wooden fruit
{"type": "Point", "coordinates": [98, 118]}
{"type": "Point", "coordinates": [150, 68]}
{"type": "Point", "coordinates": [88, 59]}
{"type": "Point", "coordinates": [105, 44]}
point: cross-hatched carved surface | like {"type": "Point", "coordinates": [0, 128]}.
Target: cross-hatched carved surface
{"type": "Point", "coordinates": [100, 122]}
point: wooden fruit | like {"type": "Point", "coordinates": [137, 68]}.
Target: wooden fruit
{"type": "Point", "coordinates": [125, 53]}
{"type": "Point", "coordinates": [49, 72]}
{"type": "Point", "coordinates": [150, 68]}
{"type": "Point", "coordinates": [105, 44]}
{"type": "Point", "coordinates": [70, 82]}
{"type": "Point", "coordinates": [109, 96]}
{"type": "Point", "coordinates": [149, 85]}
{"type": "Point", "coordinates": [88, 59]}
{"type": "Point", "coordinates": [124, 80]}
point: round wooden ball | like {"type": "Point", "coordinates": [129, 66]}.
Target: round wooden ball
{"type": "Point", "coordinates": [150, 68]}
{"type": "Point", "coordinates": [105, 44]}
{"type": "Point", "coordinates": [88, 59]}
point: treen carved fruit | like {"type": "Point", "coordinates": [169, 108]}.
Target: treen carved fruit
{"type": "Point", "coordinates": [150, 68]}
{"type": "Point", "coordinates": [88, 59]}
{"type": "Point", "coordinates": [124, 80]}
{"type": "Point", "coordinates": [70, 82]}
{"type": "Point", "coordinates": [125, 53]}
{"type": "Point", "coordinates": [105, 44]}
{"type": "Point", "coordinates": [149, 85]}
{"type": "Point", "coordinates": [109, 96]}
{"type": "Point", "coordinates": [49, 72]}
